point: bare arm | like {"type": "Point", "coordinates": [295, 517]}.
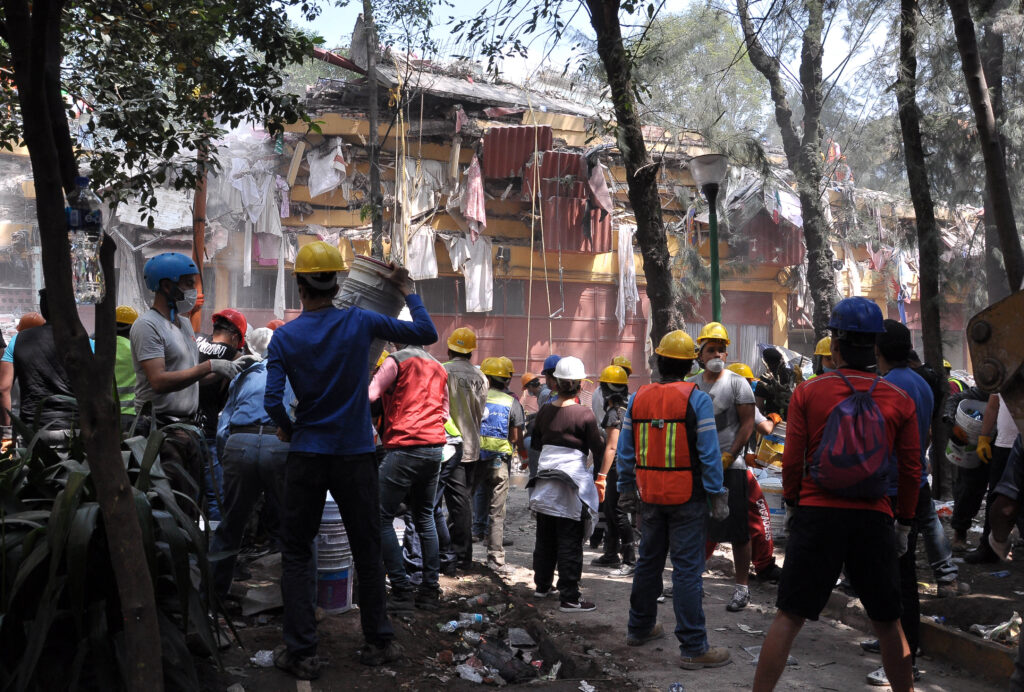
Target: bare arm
{"type": "Point", "coordinates": [988, 419]}
{"type": "Point", "coordinates": [163, 382]}
{"type": "Point", "coordinates": [746, 414]}
{"type": "Point", "coordinates": [765, 427]}
{"type": "Point", "coordinates": [6, 382]}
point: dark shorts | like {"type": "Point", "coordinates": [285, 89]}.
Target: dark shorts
{"type": "Point", "coordinates": [1013, 476]}
{"type": "Point", "coordinates": [735, 529]}
{"type": "Point", "coordinates": [823, 541]}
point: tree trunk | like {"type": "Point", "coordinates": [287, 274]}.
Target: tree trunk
{"type": "Point", "coordinates": [802, 153]}
{"type": "Point", "coordinates": [376, 198]}
{"type": "Point", "coordinates": [924, 211]}
{"type": "Point", "coordinates": [996, 180]}
{"type": "Point", "coordinates": [36, 56]}
{"type": "Point", "coordinates": [641, 172]}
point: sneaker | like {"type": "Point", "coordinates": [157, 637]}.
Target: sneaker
{"type": "Point", "coordinates": [952, 589]}
{"type": "Point", "coordinates": [666, 594]}
{"type": "Point", "coordinates": [301, 667]}
{"type": "Point", "coordinates": [500, 569]}
{"type": "Point", "coordinates": [373, 655]}
{"type": "Point", "coordinates": [606, 560]}
{"type": "Point", "coordinates": [982, 555]}
{"type": "Point", "coordinates": [740, 600]}
{"type": "Point", "coordinates": [770, 575]}
{"type": "Point", "coordinates": [578, 606]}
{"type": "Point", "coordinates": [714, 657]}
{"type": "Point", "coordinates": [879, 679]}
{"type": "Point", "coordinates": [401, 601]}
{"type": "Point", "coordinates": [428, 598]}
{"type": "Point", "coordinates": [871, 646]}
{"type": "Point", "coordinates": [657, 632]}
{"type": "Point", "coordinates": [625, 571]}
{"type": "Point", "coordinates": [550, 591]}
{"type": "Point", "coordinates": [506, 542]}
{"type": "Point", "coordinates": [959, 544]}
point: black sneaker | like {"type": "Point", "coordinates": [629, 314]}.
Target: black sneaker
{"type": "Point", "coordinates": [579, 606]}
{"type": "Point", "coordinates": [607, 560]}
{"type": "Point", "coordinates": [373, 655]}
{"type": "Point", "coordinates": [550, 591]}
{"type": "Point", "coordinates": [982, 555]}
{"type": "Point", "coordinates": [871, 646]}
{"type": "Point", "coordinates": [770, 575]}
{"type": "Point", "coordinates": [401, 601]}
{"type": "Point", "coordinates": [301, 667]}
{"type": "Point", "coordinates": [428, 598]}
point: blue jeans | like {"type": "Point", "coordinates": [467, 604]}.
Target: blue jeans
{"type": "Point", "coordinates": [677, 531]}
{"type": "Point", "coordinates": [253, 464]}
{"type": "Point", "coordinates": [213, 481]}
{"type": "Point", "coordinates": [481, 517]}
{"type": "Point", "coordinates": [444, 537]}
{"type": "Point", "coordinates": [410, 475]}
{"type": "Point", "coordinates": [936, 545]}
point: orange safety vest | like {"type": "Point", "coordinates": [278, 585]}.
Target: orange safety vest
{"type": "Point", "coordinates": [664, 473]}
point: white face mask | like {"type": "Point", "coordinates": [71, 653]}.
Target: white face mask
{"type": "Point", "coordinates": [187, 301]}
{"type": "Point", "coordinates": [715, 365]}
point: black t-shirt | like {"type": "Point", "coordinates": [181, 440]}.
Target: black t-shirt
{"type": "Point", "coordinates": [613, 417]}
{"type": "Point", "coordinates": [213, 396]}
{"type": "Point", "coordinates": [40, 375]}
{"type": "Point", "coordinates": [568, 426]}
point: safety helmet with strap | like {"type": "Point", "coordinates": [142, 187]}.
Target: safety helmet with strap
{"type": "Point", "coordinates": [614, 374]}
{"type": "Point", "coordinates": [167, 265]}
{"type": "Point", "coordinates": [462, 340]}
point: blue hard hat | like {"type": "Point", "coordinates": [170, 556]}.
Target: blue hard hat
{"type": "Point", "coordinates": [550, 363]}
{"type": "Point", "coordinates": [168, 265]}
{"type": "Point", "coordinates": [857, 314]}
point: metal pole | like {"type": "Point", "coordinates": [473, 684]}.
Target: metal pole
{"type": "Point", "coordinates": [711, 192]}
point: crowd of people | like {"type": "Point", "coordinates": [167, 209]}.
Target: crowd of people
{"type": "Point", "coordinates": [292, 411]}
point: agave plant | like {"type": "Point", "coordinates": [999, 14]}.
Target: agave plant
{"type": "Point", "coordinates": [60, 620]}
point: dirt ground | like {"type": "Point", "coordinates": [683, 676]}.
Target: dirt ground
{"type": "Point", "coordinates": [591, 646]}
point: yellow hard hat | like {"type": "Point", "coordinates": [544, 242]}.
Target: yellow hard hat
{"type": "Point", "coordinates": [741, 369]}
{"type": "Point", "coordinates": [614, 374]}
{"type": "Point", "coordinates": [318, 257]}
{"type": "Point", "coordinates": [623, 362]}
{"type": "Point", "coordinates": [713, 330]}
{"type": "Point", "coordinates": [126, 314]}
{"type": "Point", "coordinates": [507, 362]}
{"type": "Point", "coordinates": [824, 347]}
{"type": "Point", "coordinates": [383, 356]}
{"type": "Point", "coordinates": [495, 368]}
{"type": "Point", "coordinates": [947, 364]}
{"type": "Point", "coordinates": [677, 344]}
{"type": "Point", "coordinates": [462, 340]}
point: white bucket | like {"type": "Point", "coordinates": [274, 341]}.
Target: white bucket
{"type": "Point", "coordinates": [970, 425]}
{"type": "Point", "coordinates": [334, 589]}
{"type": "Point", "coordinates": [366, 288]}
{"type": "Point", "coordinates": [964, 457]}
{"type": "Point", "coordinates": [771, 486]}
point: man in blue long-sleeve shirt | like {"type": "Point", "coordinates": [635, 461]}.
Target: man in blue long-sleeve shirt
{"type": "Point", "coordinates": [670, 464]}
{"type": "Point", "coordinates": [324, 353]}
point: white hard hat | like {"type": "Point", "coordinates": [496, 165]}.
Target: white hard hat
{"type": "Point", "coordinates": [259, 340]}
{"type": "Point", "coordinates": [570, 368]}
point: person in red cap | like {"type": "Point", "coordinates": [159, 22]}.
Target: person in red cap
{"type": "Point", "coordinates": [225, 343]}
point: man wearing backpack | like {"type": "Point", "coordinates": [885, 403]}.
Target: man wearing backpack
{"type": "Point", "coordinates": [846, 430]}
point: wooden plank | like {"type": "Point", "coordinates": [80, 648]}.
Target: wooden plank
{"type": "Point", "coordinates": [345, 218]}
{"type": "Point", "coordinates": [293, 168]}
{"type": "Point", "coordinates": [557, 121]}
{"type": "Point", "coordinates": [334, 198]}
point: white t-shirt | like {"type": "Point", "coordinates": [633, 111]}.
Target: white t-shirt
{"type": "Point", "coordinates": [1006, 428]}
{"type": "Point", "coordinates": [727, 392]}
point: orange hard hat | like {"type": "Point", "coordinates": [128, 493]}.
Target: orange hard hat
{"type": "Point", "coordinates": [274, 324]}
{"type": "Point", "coordinates": [527, 378]}
{"type": "Point", "coordinates": [29, 320]}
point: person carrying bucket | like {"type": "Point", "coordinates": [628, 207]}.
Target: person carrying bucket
{"type": "Point", "coordinates": [325, 354]}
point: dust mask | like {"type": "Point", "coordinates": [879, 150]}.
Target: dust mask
{"type": "Point", "coordinates": [715, 365]}
{"type": "Point", "coordinates": [187, 302]}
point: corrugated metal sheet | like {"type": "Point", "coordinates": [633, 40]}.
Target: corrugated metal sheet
{"type": "Point", "coordinates": [507, 149]}
{"type": "Point", "coordinates": [564, 166]}
{"type": "Point", "coordinates": [563, 223]}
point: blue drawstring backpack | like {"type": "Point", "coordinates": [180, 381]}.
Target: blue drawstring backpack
{"type": "Point", "coordinates": [853, 458]}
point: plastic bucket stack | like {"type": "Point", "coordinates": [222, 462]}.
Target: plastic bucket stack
{"type": "Point", "coordinates": [366, 288]}
{"type": "Point", "coordinates": [771, 486]}
{"type": "Point", "coordinates": [333, 562]}
{"type": "Point", "coordinates": [960, 455]}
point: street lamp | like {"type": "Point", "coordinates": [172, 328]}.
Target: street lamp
{"type": "Point", "coordinates": [709, 172]}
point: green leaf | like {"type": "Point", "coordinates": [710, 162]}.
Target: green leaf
{"type": "Point", "coordinates": [83, 528]}
{"type": "Point", "coordinates": [178, 548]}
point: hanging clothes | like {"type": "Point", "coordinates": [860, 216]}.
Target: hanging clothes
{"type": "Point", "coordinates": [628, 295]}
{"type": "Point", "coordinates": [286, 206]}
{"type": "Point", "coordinates": [473, 201]}
{"type": "Point", "coordinates": [474, 259]}
{"type": "Point", "coordinates": [422, 259]}
{"type": "Point", "coordinates": [326, 170]}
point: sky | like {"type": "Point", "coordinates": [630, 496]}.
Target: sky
{"type": "Point", "coordinates": [335, 25]}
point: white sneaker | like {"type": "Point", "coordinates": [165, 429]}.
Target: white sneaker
{"type": "Point", "coordinates": [552, 591]}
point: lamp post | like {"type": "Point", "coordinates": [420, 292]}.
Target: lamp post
{"type": "Point", "coordinates": [709, 173]}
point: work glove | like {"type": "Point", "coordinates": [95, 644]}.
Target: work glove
{"type": "Point", "coordinates": [601, 483]}
{"type": "Point", "coordinates": [984, 448]}
{"type": "Point", "coordinates": [6, 438]}
{"type": "Point", "coordinates": [720, 505]}
{"type": "Point", "coordinates": [225, 368]}
{"type": "Point", "coordinates": [629, 501]}
{"type": "Point", "coordinates": [774, 418]}
{"type": "Point", "coordinates": [246, 362]}
{"type": "Point", "coordinates": [727, 460]}
{"type": "Point", "coordinates": [902, 536]}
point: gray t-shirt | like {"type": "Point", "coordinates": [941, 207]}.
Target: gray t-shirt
{"type": "Point", "coordinates": [727, 392]}
{"type": "Point", "coordinates": [154, 336]}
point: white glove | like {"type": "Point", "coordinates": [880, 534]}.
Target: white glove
{"type": "Point", "coordinates": [902, 536]}
{"type": "Point", "coordinates": [720, 505]}
{"type": "Point", "coordinates": [225, 368]}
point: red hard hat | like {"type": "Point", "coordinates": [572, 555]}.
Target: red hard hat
{"type": "Point", "coordinates": [236, 318]}
{"type": "Point", "coordinates": [274, 324]}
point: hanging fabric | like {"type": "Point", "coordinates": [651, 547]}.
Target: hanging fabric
{"type": "Point", "coordinates": [247, 256]}
{"type": "Point", "coordinates": [473, 201]}
{"type": "Point", "coordinates": [279, 285]}
{"type": "Point", "coordinates": [422, 260]}
{"type": "Point", "coordinates": [474, 260]}
{"type": "Point", "coordinates": [628, 295]}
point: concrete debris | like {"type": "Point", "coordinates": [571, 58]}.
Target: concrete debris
{"type": "Point", "coordinates": [520, 638]}
{"type": "Point", "coordinates": [1006, 632]}
{"type": "Point", "coordinates": [467, 672]}
{"type": "Point", "coordinates": [749, 630]}
{"type": "Point", "coordinates": [261, 599]}
{"type": "Point", "coordinates": [264, 658]}
{"type": "Point", "coordinates": [237, 687]}
{"type": "Point", "coordinates": [586, 687]}
{"type": "Point", "coordinates": [755, 653]}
